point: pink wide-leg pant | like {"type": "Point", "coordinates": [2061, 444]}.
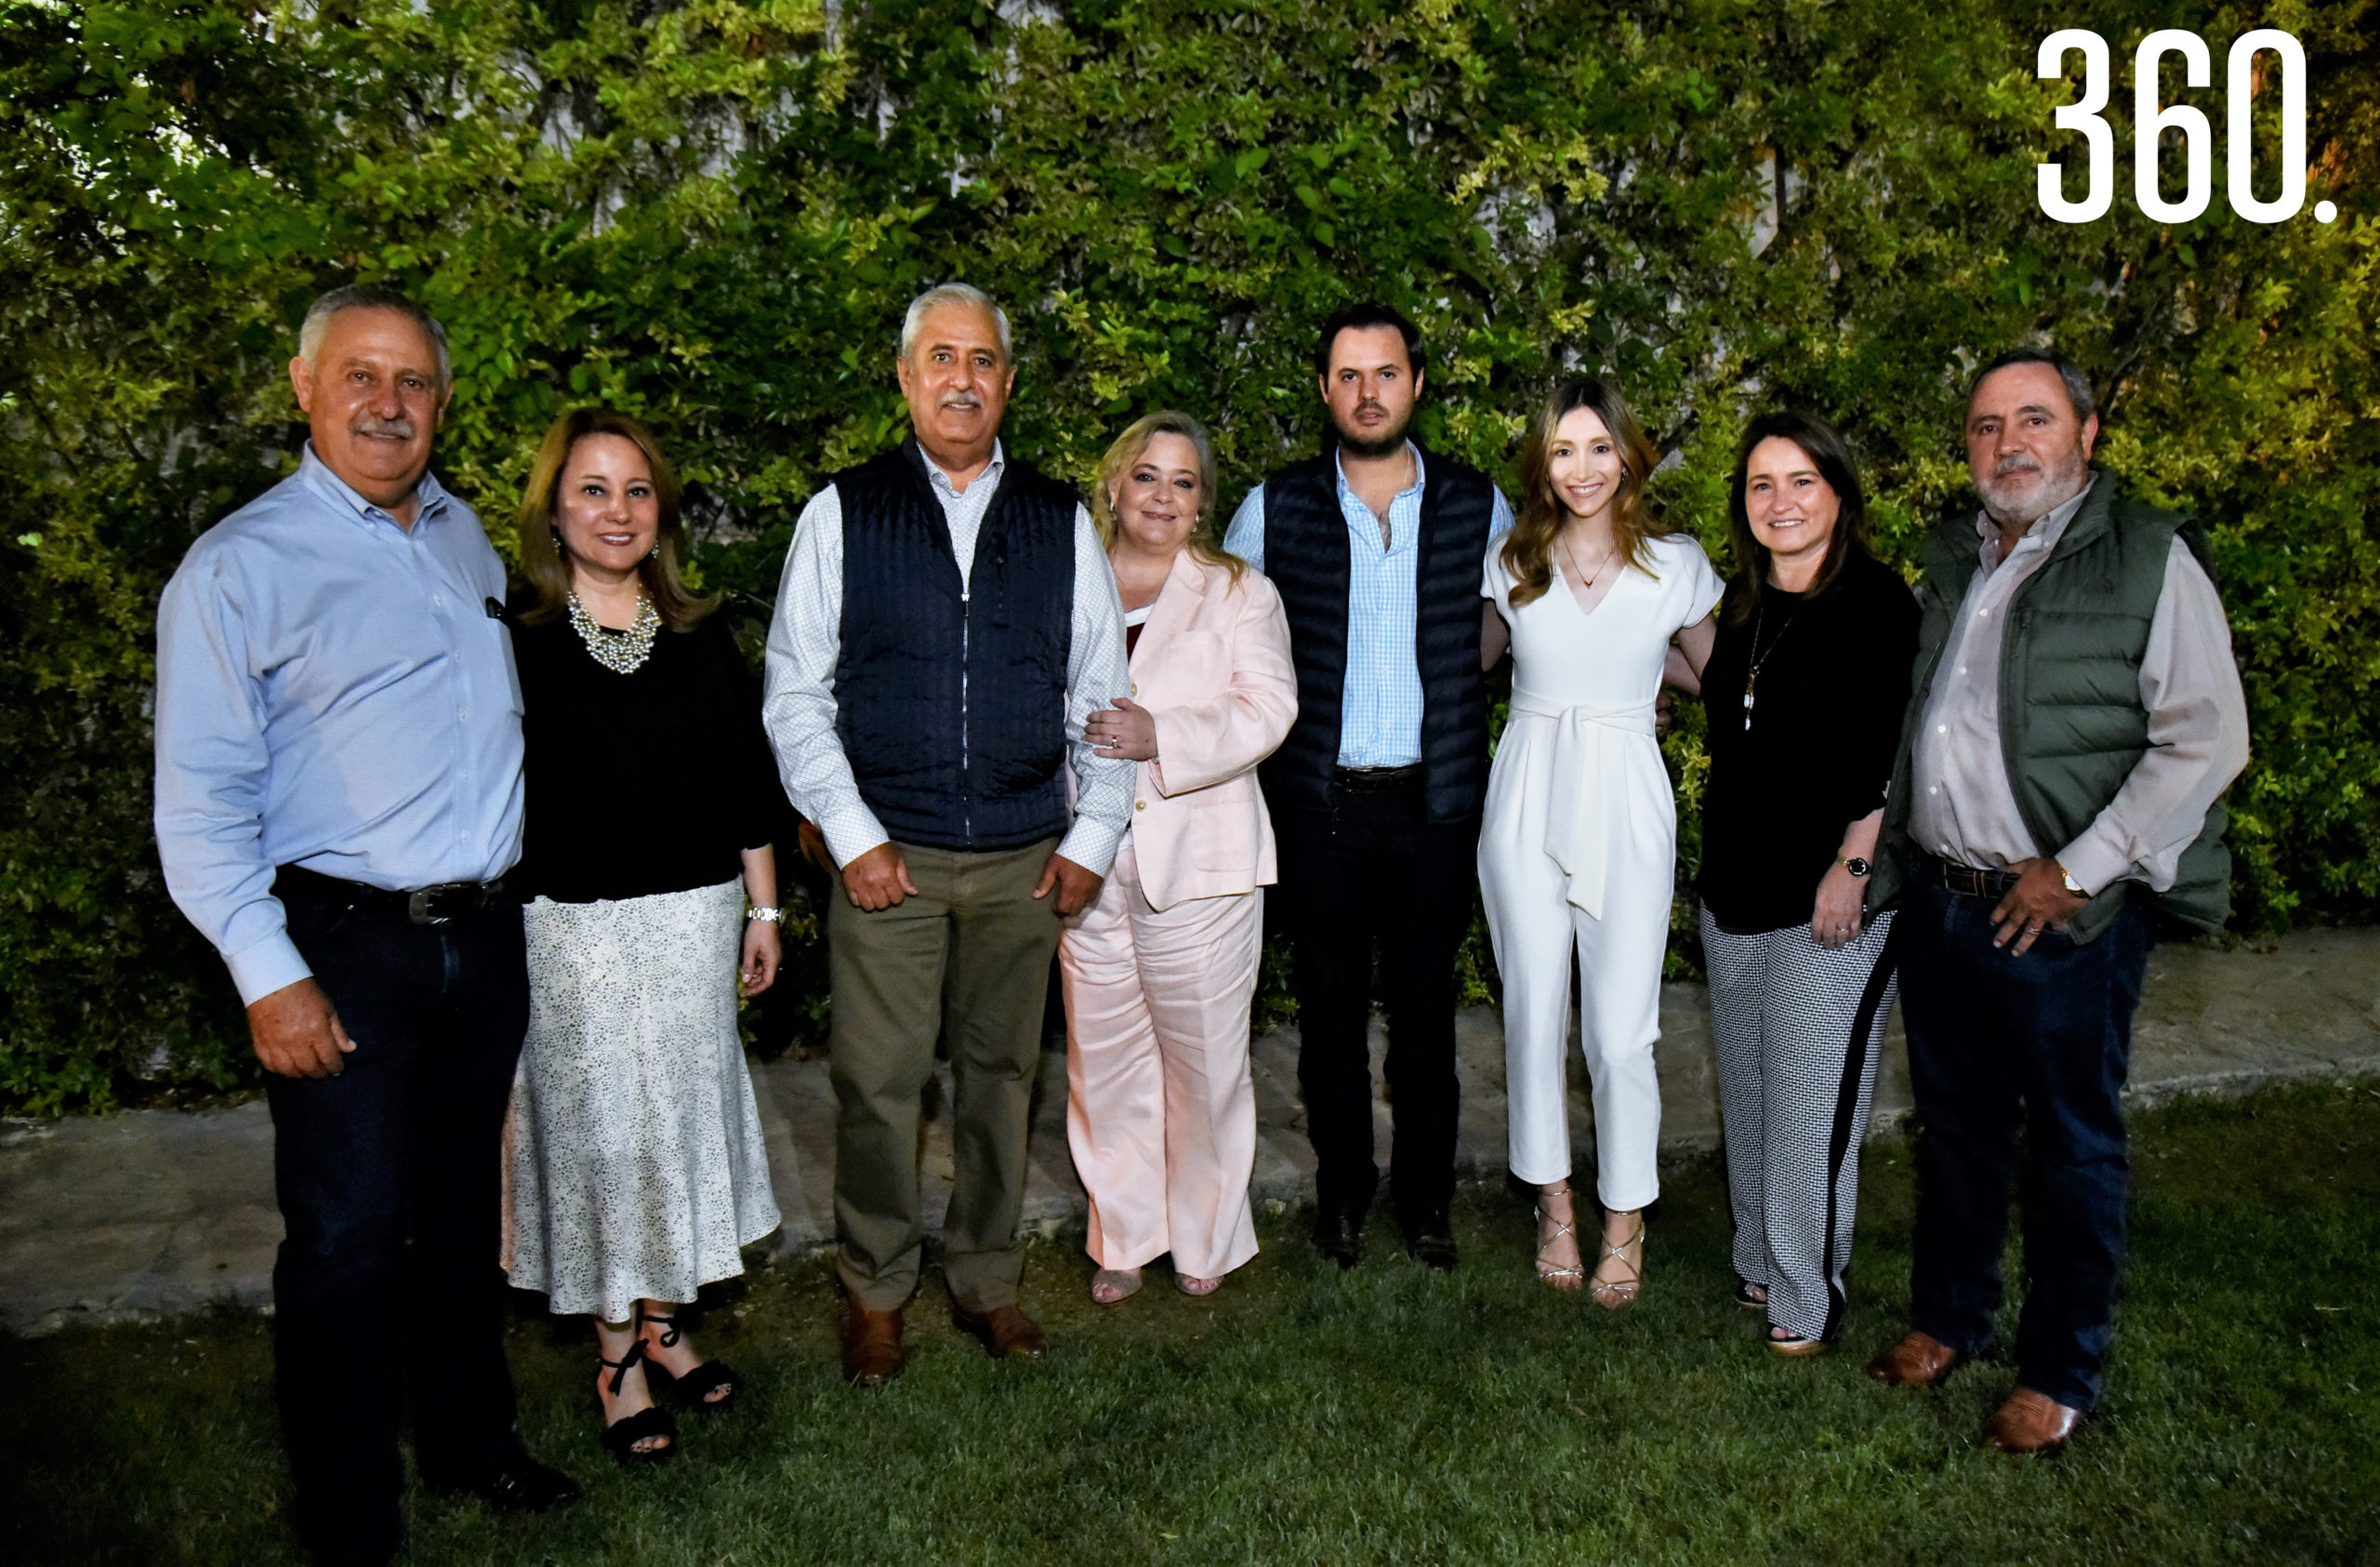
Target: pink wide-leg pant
{"type": "Point", "coordinates": [1161, 1107]}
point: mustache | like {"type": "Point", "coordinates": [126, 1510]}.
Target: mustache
{"type": "Point", "coordinates": [372, 424]}
{"type": "Point", "coordinates": [962, 400]}
{"type": "Point", "coordinates": [2008, 465]}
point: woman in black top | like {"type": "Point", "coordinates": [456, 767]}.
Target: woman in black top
{"type": "Point", "coordinates": [635, 1165]}
{"type": "Point", "coordinates": [1805, 693]}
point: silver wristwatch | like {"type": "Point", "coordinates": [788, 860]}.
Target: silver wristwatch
{"type": "Point", "coordinates": [775, 916]}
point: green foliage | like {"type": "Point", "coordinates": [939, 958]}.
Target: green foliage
{"type": "Point", "coordinates": [713, 213]}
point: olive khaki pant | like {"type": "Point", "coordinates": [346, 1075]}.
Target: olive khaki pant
{"type": "Point", "coordinates": [968, 957]}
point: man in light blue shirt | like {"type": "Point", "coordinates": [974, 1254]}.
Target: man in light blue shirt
{"type": "Point", "coordinates": [339, 796]}
{"type": "Point", "coordinates": [1378, 548]}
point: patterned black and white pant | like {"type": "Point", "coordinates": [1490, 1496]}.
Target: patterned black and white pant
{"type": "Point", "coordinates": [1798, 1029]}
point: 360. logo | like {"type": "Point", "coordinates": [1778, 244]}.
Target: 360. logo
{"type": "Point", "coordinates": [2151, 119]}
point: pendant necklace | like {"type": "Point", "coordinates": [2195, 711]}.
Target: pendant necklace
{"type": "Point", "coordinates": [1751, 677]}
{"type": "Point", "coordinates": [1585, 581]}
{"type": "Point", "coordinates": [621, 652]}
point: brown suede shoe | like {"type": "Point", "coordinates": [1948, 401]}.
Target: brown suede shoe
{"type": "Point", "coordinates": [1919, 1360]}
{"type": "Point", "coordinates": [2030, 1422]}
{"type": "Point", "coordinates": [1006, 1331]}
{"type": "Point", "coordinates": [871, 1344]}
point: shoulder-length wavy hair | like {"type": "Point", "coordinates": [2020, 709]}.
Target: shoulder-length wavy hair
{"type": "Point", "coordinates": [1528, 549]}
{"type": "Point", "coordinates": [1206, 536]}
{"type": "Point", "coordinates": [1830, 455]}
{"type": "Point", "coordinates": [543, 569]}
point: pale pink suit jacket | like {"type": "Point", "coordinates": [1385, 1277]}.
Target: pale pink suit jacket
{"type": "Point", "coordinates": [1213, 666]}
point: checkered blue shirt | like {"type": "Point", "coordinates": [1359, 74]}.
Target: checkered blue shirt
{"type": "Point", "coordinates": [1379, 715]}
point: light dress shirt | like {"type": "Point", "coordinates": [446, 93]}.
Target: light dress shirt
{"type": "Point", "coordinates": [805, 645]}
{"type": "Point", "coordinates": [332, 692]}
{"type": "Point", "coordinates": [1963, 808]}
{"type": "Point", "coordinates": [1380, 712]}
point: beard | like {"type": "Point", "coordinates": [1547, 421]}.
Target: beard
{"type": "Point", "coordinates": [2022, 494]}
{"type": "Point", "coordinates": [1391, 439]}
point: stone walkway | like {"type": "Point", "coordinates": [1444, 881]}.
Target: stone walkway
{"type": "Point", "coordinates": [160, 1212]}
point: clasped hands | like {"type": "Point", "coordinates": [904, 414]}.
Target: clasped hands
{"type": "Point", "coordinates": [880, 879]}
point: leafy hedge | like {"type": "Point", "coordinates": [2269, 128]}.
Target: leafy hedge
{"type": "Point", "coordinates": [713, 213]}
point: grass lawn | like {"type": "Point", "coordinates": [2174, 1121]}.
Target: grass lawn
{"type": "Point", "coordinates": [1389, 1414]}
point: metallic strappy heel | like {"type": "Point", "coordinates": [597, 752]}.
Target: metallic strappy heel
{"type": "Point", "coordinates": [1553, 1273]}
{"type": "Point", "coordinates": [1613, 1294]}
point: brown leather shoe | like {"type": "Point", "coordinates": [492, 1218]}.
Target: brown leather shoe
{"type": "Point", "coordinates": [2030, 1422]}
{"type": "Point", "coordinates": [871, 1344]}
{"type": "Point", "coordinates": [1006, 1331]}
{"type": "Point", "coordinates": [1919, 1360]}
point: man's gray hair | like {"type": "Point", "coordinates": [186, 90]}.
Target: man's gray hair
{"type": "Point", "coordinates": [372, 295]}
{"type": "Point", "coordinates": [2069, 374]}
{"type": "Point", "coordinates": [954, 294]}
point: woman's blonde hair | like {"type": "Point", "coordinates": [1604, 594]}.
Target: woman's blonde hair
{"type": "Point", "coordinates": [542, 566]}
{"type": "Point", "coordinates": [1206, 538]}
{"type": "Point", "coordinates": [1528, 548]}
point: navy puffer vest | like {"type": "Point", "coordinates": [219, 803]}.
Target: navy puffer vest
{"type": "Point", "coordinates": [951, 702]}
{"type": "Point", "coordinates": [1306, 555]}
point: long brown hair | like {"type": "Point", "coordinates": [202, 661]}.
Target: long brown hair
{"type": "Point", "coordinates": [1830, 455]}
{"type": "Point", "coordinates": [542, 566]}
{"type": "Point", "coordinates": [1206, 538]}
{"type": "Point", "coordinates": [1528, 549]}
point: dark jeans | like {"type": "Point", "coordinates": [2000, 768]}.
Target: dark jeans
{"type": "Point", "coordinates": [1996, 1043]}
{"type": "Point", "coordinates": [387, 1290]}
{"type": "Point", "coordinates": [1373, 872]}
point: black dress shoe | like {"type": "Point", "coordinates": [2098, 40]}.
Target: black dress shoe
{"type": "Point", "coordinates": [520, 1484]}
{"type": "Point", "coordinates": [1338, 1235]}
{"type": "Point", "coordinates": [1430, 1241]}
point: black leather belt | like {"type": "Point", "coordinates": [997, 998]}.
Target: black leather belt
{"type": "Point", "coordinates": [1968, 882]}
{"type": "Point", "coordinates": [1379, 780]}
{"type": "Point", "coordinates": [423, 906]}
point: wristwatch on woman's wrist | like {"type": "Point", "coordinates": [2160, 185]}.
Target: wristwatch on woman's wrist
{"type": "Point", "coordinates": [1854, 864]}
{"type": "Point", "coordinates": [775, 916]}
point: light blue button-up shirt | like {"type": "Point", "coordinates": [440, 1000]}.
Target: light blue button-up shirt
{"type": "Point", "coordinates": [332, 692]}
{"type": "Point", "coordinates": [1380, 713]}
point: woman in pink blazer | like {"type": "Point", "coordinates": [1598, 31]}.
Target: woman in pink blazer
{"type": "Point", "coordinates": [1162, 969]}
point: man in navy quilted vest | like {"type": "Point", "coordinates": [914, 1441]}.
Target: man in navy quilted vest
{"type": "Point", "coordinates": [1377, 547]}
{"type": "Point", "coordinates": [2074, 718]}
{"type": "Point", "coordinates": [946, 625]}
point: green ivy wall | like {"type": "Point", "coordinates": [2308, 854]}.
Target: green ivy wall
{"type": "Point", "coordinates": [713, 213]}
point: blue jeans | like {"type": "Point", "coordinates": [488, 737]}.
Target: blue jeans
{"type": "Point", "coordinates": [1996, 1043]}
{"type": "Point", "coordinates": [387, 1289]}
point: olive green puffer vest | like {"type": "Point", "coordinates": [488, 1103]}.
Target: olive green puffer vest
{"type": "Point", "coordinates": [2072, 726]}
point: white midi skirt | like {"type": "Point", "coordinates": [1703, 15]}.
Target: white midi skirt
{"type": "Point", "coordinates": [634, 1167]}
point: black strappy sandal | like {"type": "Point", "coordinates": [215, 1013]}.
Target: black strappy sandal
{"type": "Point", "coordinates": [620, 1438]}
{"type": "Point", "coordinates": [694, 1388]}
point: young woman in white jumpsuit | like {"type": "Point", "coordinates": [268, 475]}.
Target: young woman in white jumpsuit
{"type": "Point", "coordinates": [1578, 854]}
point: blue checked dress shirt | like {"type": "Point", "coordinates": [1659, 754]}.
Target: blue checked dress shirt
{"type": "Point", "coordinates": [332, 692]}
{"type": "Point", "coordinates": [1380, 722]}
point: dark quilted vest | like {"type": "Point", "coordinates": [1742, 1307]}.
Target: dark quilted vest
{"type": "Point", "coordinates": [951, 705]}
{"type": "Point", "coordinates": [2072, 726]}
{"type": "Point", "coordinates": [1306, 555]}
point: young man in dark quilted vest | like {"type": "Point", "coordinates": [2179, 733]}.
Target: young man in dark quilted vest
{"type": "Point", "coordinates": [1377, 547]}
{"type": "Point", "coordinates": [2074, 720]}
{"type": "Point", "coordinates": [947, 624]}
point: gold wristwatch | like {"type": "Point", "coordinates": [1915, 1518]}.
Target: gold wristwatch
{"type": "Point", "coordinates": [2071, 885]}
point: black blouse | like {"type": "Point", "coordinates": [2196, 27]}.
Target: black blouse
{"type": "Point", "coordinates": [653, 781]}
{"type": "Point", "coordinates": [1818, 749]}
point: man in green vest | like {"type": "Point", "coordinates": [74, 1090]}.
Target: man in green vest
{"type": "Point", "coordinates": [2075, 717]}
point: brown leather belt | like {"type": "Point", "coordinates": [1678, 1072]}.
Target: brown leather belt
{"type": "Point", "coordinates": [1968, 882]}
{"type": "Point", "coordinates": [423, 906]}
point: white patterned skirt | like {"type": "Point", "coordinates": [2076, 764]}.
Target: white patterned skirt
{"type": "Point", "coordinates": [633, 1162]}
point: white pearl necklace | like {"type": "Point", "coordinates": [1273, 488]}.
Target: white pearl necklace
{"type": "Point", "coordinates": [621, 652]}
